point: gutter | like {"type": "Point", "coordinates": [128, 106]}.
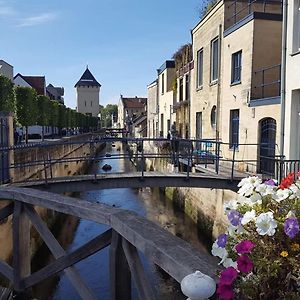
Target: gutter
{"type": "Point", "coordinates": [283, 75]}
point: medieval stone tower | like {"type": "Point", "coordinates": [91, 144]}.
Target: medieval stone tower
{"type": "Point", "coordinates": [88, 94]}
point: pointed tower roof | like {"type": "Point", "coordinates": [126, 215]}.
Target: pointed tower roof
{"type": "Point", "coordinates": [87, 79]}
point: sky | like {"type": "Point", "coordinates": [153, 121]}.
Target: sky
{"type": "Point", "coordinates": [122, 42]}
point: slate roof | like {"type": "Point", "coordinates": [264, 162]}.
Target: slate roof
{"type": "Point", "coordinates": [87, 79]}
{"type": "Point", "coordinates": [134, 102]}
{"type": "Point", "coordinates": [36, 82]}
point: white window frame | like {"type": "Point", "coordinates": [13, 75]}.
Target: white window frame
{"type": "Point", "coordinates": [200, 68]}
{"type": "Point", "coordinates": [214, 67]}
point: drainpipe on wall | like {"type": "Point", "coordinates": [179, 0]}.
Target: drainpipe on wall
{"type": "Point", "coordinates": [219, 87]}
{"type": "Point", "coordinates": [283, 75]}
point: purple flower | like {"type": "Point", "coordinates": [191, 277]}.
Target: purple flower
{"type": "Point", "coordinates": [270, 182]}
{"type": "Point", "coordinates": [228, 276]}
{"type": "Point", "coordinates": [291, 227]}
{"type": "Point", "coordinates": [222, 240]}
{"type": "Point", "coordinates": [225, 292]}
{"type": "Point", "coordinates": [244, 247]}
{"type": "Point", "coordinates": [235, 217]}
{"type": "Point", "coordinates": [244, 264]}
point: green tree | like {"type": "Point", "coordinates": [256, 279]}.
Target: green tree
{"type": "Point", "coordinates": [27, 108]}
{"type": "Point", "coordinates": [44, 112]}
{"type": "Point", "coordinates": [54, 117]}
{"type": "Point", "coordinates": [7, 95]}
{"type": "Point", "coordinates": [107, 113]}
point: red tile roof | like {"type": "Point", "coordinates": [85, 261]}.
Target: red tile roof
{"type": "Point", "coordinates": [134, 102]}
{"type": "Point", "coordinates": [36, 82]}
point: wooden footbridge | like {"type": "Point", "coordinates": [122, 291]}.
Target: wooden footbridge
{"type": "Point", "coordinates": [129, 235]}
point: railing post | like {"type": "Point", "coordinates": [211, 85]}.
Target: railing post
{"type": "Point", "coordinates": [233, 159]}
{"type": "Point", "coordinates": [143, 159]}
{"type": "Point", "coordinates": [263, 84]}
{"type": "Point", "coordinates": [45, 169]}
{"type": "Point", "coordinates": [50, 165]}
{"type": "Point", "coordinates": [217, 155]}
{"type": "Point", "coordinates": [21, 246]}
{"type": "Point", "coordinates": [119, 272]}
{"type": "Point", "coordinates": [189, 162]}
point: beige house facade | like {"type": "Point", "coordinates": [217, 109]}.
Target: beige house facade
{"type": "Point", "coordinates": [235, 85]}
{"type": "Point", "coordinates": [292, 100]}
{"type": "Point", "coordinates": [166, 97]}
{"type": "Point", "coordinates": [88, 94]}
{"type": "Point", "coordinates": [6, 70]}
{"type": "Point", "coordinates": [152, 110]}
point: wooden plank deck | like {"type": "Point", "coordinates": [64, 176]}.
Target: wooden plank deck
{"type": "Point", "coordinates": [133, 180]}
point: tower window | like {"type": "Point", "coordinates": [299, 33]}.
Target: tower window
{"type": "Point", "coordinates": [85, 103]}
{"type": "Point", "coordinates": [91, 103]}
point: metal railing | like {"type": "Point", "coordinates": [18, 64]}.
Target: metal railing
{"type": "Point", "coordinates": [41, 161]}
{"type": "Point", "coordinates": [248, 7]}
{"type": "Point", "coordinates": [269, 82]}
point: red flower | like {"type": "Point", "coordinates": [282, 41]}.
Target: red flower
{"type": "Point", "coordinates": [287, 181]}
{"type": "Point", "coordinates": [244, 247]}
{"type": "Point", "coordinates": [225, 292]}
{"type": "Point", "coordinates": [228, 276]}
{"type": "Point", "coordinates": [244, 264]}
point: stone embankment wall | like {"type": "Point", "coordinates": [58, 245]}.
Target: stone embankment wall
{"type": "Point", "coordinates": [56, 152]}
{"type": "Point", "coordinates": [204, 206]}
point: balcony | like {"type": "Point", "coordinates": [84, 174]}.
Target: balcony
{"type": "Point", "coordinates": [237, 10]}
{"type": "Point", "coordinates": [266, 86]}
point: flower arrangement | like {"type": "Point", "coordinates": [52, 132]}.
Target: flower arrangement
{"type": "Point", "coordinates": [261, 248]}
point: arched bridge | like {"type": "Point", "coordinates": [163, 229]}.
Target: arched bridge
{"type": "Point", "coordinates": [157, 163]}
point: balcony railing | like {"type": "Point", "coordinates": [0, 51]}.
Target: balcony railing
{"type": "Point", "coordinates": [267, 82]}
{"type": "Point", "coordinates": [237, 10]}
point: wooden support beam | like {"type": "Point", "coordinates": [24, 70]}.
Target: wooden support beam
{"type": "Point", "coordinates": [142, 283]}
{"type": "Point", "coordinates": [21, 246]}
{"type": "Point", "coordinates": [6, 211]}
{"type": "Point", "coordinates": [57, 252]}
{"type": "Point", "coordinates": [120, 277]}
{"type": "Point", "coordinates": [68, 260]}
{"type": "Point", "coordinates": [6, 270]}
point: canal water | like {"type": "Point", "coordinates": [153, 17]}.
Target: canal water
{"type": "Point", "coordinates": [72, 233]}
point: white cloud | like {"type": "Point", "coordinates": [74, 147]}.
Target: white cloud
{"type": "Point", "coordinates": [37, 20]}
{"type": "Point", "coordinates": [6, 11]}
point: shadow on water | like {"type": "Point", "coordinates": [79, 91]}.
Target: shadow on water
{"type": "Point", "coordinates": [72, 233]}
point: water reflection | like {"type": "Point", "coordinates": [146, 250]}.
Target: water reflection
{"type": "Point", "coordinates": [150, 203]}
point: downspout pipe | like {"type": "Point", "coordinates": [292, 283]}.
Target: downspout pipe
{"type": "Point", "coordinates": [218, 116]}
{"type": "Point", "coordinates": [283, 74]}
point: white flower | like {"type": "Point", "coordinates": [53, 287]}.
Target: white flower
{"type": "Point", "coordinates": [228, 206]}
{"type": "Point", "coordinates": [219, 251]}
{"type": "Point", "coordinates": [281, 195]}
{"type": "Point", "coordinates": [291, 214]}
{"type": "Point", "coordinates": [266, 224]}
{"type": "Point", "coordinates": [296, 191]}
{"type": "Point", "coordinates": [228, 262]}
{"type": "Point", "coordinates": [265, 189]}
{"type": "Point", "coordinates": [247, 185]}
{"type": "Point", "coordinates": [248, 216]}
{"type": "Point", "coordinates": [255, 199]}
{"type": "Point", "coordinates": [234, 230]}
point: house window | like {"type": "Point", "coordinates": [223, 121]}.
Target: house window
{"type": "Point", "coordinates": [214, 60]}
{"type": "Point", "coordinates": [162, 83]}
{"type": "Point", "coordinates": [213, 116]}
{"type": "Point", "coordinates": [236, 67]}
{"type": "Point", "coordinates": [234, 128]}
{"type": "Point", "coordinates": [187, 87]}
{"type": "Point", "coordinates": [200, 68]}
{"type": "Point", "coordinates": [181, 89]}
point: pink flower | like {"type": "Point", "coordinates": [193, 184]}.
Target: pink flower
{"type": "Point", "coordinates": [244, 264]}
{"type": "Point", "coordinates": [244, 247]}
{"type": "Point", "coordinates": [225, 292]}
{"type": "Point", "coordinates": [228, 276]}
